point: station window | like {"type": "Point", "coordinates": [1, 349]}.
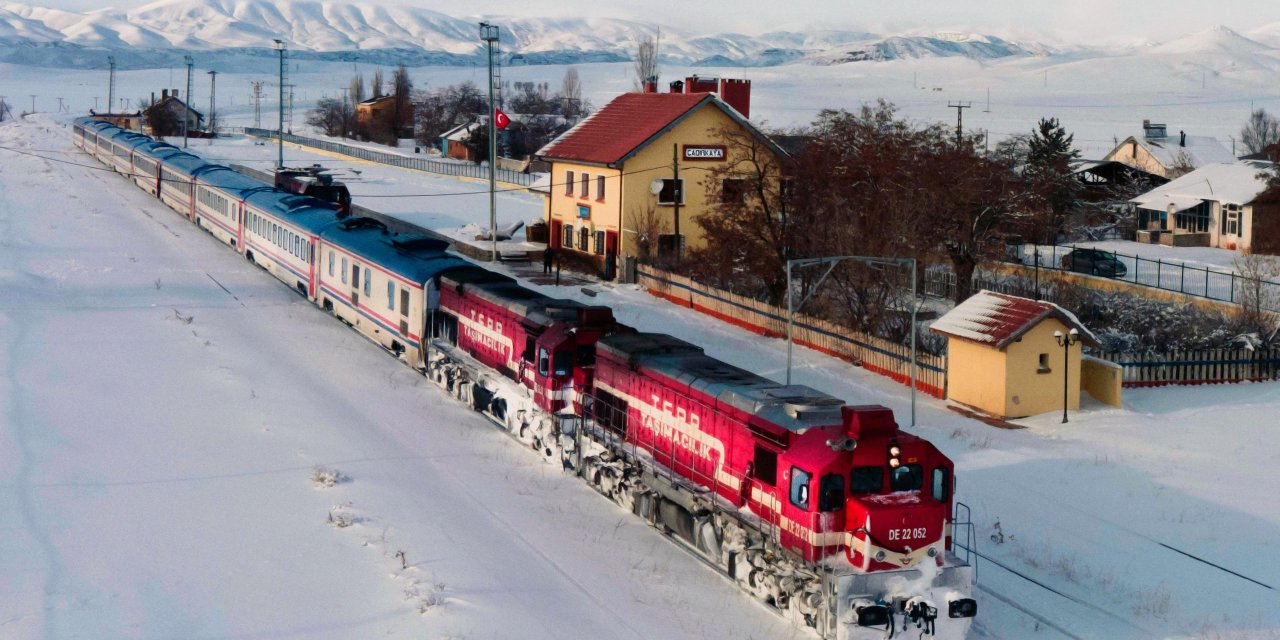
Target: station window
{"type": "Point", "coordinates": [600, 243]}
{"type": "Point", "coordinates": [600, 188]}
{"type": "Point", "coordinates": [670, 190]}
{"type": "Point", "coordinates": [800, 488]}
{"type": "Point", "coordinates": [586, 185]}
{"type": "Point", "coordinates": [568, 236]}
{"type": "Point", "coordinates": [584, 238]}
{"type": "Point", "coordinates": [568, 183]}
{"type": "Point", "coordinates": [1044, 364]}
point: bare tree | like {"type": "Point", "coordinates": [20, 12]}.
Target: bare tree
{"type": "Point", "coordinates": [328, 116]}
{"type": "Point", "coordinates": [571, 94]}
{"type": "Point", "coordinates": [1260, 131]}
{"type": "Point", "coordinates": [402, 111]}
{"type": "Point", "coordinates": [1183, 164]}
{"type": "Point", "coordinates": [646, 62]}
{"type": "Point", "coordinates": [1259, 297]}
{"type": "Point", "coordinates": [648, 226]}
{"type": "Point", "coordinates": [357, 89]}
{"type": "Point", "coordinates": [375, 88]}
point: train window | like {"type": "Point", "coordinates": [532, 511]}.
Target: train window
{"type": "Point", "coordinates": [544, 362]}
{"type": "Point", "coordinates": [831, 493]}
{"type": "Point", "coordinates": [908, 477]}
{"type": "Point", "coordinates": [391, 295]}
{"type": "Point", "coordinates": [866, 480]}
{"type": "Point", "coordinates": [368, 282]}
{"type": "Point", "coordinates": [586, 355]}
{"type": "Point", "coordinates": [941, 489]}
{"type": "Point", "coordinates": [344, 270]}
{"type": "Point", "coordinates": [766, 466]}
{"type": "Point", "coordinates": [404, 302]}
{"type": "Point", "coordinates": [331, 258]}
{"type": "Point", "coordinates": [800, 488]}
{"type": "Point", "coordinates": [563, 363]}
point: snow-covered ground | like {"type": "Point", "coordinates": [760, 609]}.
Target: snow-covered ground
{"type": "Point", "coordinates": [163, 406]}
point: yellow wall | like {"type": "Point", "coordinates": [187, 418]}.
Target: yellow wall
{"type": "Point", "coordinates": [564, 206]}
{"type": "Point", "coordinates": [1103, 380]}
{"type": "Point", "coordinates": [628, 193]}
{"type": "Point", "coordinates": [1030, 391]}
{"type": "Point", "coordinates": [976, 375]}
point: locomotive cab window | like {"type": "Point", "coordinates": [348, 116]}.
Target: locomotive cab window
{"type": "Point", "coordinates": [544, 362]}
{"type": "Point", "coordinates": [908, 477]}
{"type": "Point", "coordinates": [563, 363]}
{"type": "Point", "coordinates": [800, 488]}
{"type": "Point", "coordinates": [831, 493]}
{"type": "Point", "coordinates": [766, 467]}
{"type": "Point", "coordinates": [941, 488]}
{"type": "Point", "coordinates": [866, 480]}
{"type": "Point", "coordinates": [586, 355]}
{"type": "Point", "coordinates": [530, 347]}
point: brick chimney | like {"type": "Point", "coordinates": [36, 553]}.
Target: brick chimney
{"type": "Point", "coordinates": [734, 92]}
{"type": "Point", "coordinates": [164, 93]}
{"type": "Point", "coordinates": [651, 84]}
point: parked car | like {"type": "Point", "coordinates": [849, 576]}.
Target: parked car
{"type": "Point", "coordinates": [1095, 262]}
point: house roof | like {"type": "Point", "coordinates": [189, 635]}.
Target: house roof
{"type": "Point", "coordinates": [1200, 150]}
{"type": "Point", "coordinates": [1234, 183]}
{"type": "Point", "coordinates": [999, 320]}
{"type": "Point", "coordinates": [375, 101]}
{"type": "Point", "coordinates": [168, 100]}
{"type": "Point", "coordinates": [631, 121]}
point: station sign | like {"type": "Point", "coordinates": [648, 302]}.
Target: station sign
{"type": "Point", "coordinates": [704, 152]}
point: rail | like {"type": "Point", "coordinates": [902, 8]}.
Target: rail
{"type": "Point", "coordinates": [461, 169]}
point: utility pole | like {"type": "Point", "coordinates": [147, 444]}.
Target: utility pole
{"type": "Point", "coordinates": [111, 83]}
{"type": "Point", "coordinates": [186, 104]}
{"type": "Point", "coordinates": [344, 110]}
{"type": "Point", "coordinates": [489, 33]}
{"type": "Point", "coordinates": [988, 109]}
{"type": "Point", "coordinates": [257, 104]}
{"type": "Point", "coordinates": [959, 107]}
{"type": "Point", "coordinates": [60, 107]}
{"type": "Point", "coordinates": [213, 91]}
{"type": "Point", "coordinates": [677, 195]}
{"type": "Point", "coordinates": [280, 121]}
{"type": "Point", "coordinates": [95, 103]}
{"type": "Point", "coordinates": [33, 103]}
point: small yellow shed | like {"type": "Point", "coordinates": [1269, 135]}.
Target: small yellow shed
{"type": "Point", "coordinates": [1006, 357]}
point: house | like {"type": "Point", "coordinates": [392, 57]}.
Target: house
{"type": "Point", "coordinates": [127, 121]}
{"type": "Point", "coordinates": [381, 110]}
{"type": "Point", "coordinates": [164, 117]}
{"type": "Point", "coordinates": [1167, 156]}
{"type": "Point", "coordinates": [453, 143]}
{"type": "Point", "coordinates": [615, 190]}
{"type": "Point", "coordinates": [1004, 357]}
{"type": "Point", "coordinates": [1212, 206]}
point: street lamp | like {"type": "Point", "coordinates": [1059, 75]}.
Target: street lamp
{"type": "Point", "coordinates": [1065, 341]}
{"type": "Point", "coordinates": [873, 261]}
{"type": "Point", "coordinates": [489, 34]}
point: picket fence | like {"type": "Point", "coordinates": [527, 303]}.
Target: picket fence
{"type": "Point", "coordinates": [1203, 366]}
{"type": "Point", "coordinates": [869, 352]}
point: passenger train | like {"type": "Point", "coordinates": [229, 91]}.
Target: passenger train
{"type": "Point", "coordinates": [826, 511]}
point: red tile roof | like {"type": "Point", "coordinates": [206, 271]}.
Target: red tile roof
{"type": "Point", "coordinates": [998, 319]}
{"type": "Point", "coordinates": [622, 126]}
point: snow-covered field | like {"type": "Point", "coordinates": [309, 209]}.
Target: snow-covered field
{"type": "Point", "coordinates": [163, 406]}
{"type": "Point", "coordinates": [158, 433]}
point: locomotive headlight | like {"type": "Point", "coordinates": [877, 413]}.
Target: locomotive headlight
{"type": "Point", "coordinates": [962, 608]}
{"type": "Point", "coordinates": [880, 556]}
{"type": "Point", "coordinates": [894, 451]}
{"type": "Point", "coordinates": [894, 463]}
{"type": "Point", "coordinates": [933, 552]}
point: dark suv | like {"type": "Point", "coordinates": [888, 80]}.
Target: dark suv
{"type": "Point", "coordinates": [1095, 262]}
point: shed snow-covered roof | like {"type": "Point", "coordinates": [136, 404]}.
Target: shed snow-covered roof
{"type": "Point", "coordinates": [999, 320]}
{"type": "Point", "coordinates": [1199, 150]}
{"type": "Point", "coordinates": [1234, 183]}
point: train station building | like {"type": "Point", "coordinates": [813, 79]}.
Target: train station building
{"type": "Point", "coordinates": [647, 164]}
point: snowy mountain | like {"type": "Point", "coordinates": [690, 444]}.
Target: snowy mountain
{"type": "Point", "coordinates": [328, 30]}
{"type": "Point", "coordinates": [360, 31]}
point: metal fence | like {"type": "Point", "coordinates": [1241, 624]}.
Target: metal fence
{"type": "Point", "coordinates": [1203, 366]}
{"type": "Point", "coordinates": [1203, 282]}
{"type": "Point", "coordinates": [870, 352]}
{"type": "Point", "coordinates": [465, 169]}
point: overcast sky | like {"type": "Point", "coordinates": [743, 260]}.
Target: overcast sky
{"type": "Point", "coordinates": [1082, 21]}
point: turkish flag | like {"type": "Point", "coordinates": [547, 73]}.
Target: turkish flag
{"type": "Point", "coordinates": [500, 119]}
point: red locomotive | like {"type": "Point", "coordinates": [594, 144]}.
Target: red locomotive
{"type": "Point", "coordinates": [827, 511]}
{"type": "Point", "coordinates": [314, 181]}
